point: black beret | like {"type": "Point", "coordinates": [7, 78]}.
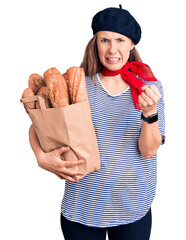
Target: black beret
{"type": "Point", "coordinates": [117, 20]}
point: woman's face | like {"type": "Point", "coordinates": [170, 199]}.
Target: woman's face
{"type": "Point", "coordinates": [113, 49]}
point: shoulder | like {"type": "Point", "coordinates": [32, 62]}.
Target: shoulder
{"type": "Point", "coordinates": [95, 76]}
{"type": "Point", "coordinates": [94, 80]}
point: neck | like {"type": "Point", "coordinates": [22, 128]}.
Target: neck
{"type": "Point", "coordinates": [114, 84]}
{"type": "Point", "coordinates": [115, 79]}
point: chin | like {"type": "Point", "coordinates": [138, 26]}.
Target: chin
{"type": "Point", "coordinates": [114, 68]}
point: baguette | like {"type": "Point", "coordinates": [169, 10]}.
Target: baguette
{"type": "Point", "coordinates": [58, 90]}
{"type": "Point", "coordinates": [44, 93]}
{"type": "Point", "coordinates": [77, 84]}
{"type": "Point", "coordinates": [28, 93]}
{"type": "Point", "coordinates": [35, 82]}
{"type": "Point", "coordinates": [50, 71]}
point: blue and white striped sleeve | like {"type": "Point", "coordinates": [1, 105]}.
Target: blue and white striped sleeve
{"type": "Point", "coordinates": [161, 114]}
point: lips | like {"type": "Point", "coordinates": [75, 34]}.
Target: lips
{"type": "Point", "coordinates": [113, 60]}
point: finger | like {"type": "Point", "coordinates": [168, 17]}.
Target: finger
{"type": "Point", "coordinates": [71, 172]}
{"type": "Point", "coordinates": [69, 178]}
{"type": "Point", "coordinates": [144, 87]}
{"type": "Point", "coordinates": [155, 90]}
{"type": "Point", "coordinates": [59, 176]}
{"type": "Point", "coordinates": [73, 163]}
{"type": "Point", "coordinates": [63, 165]}
{"type": "Point", "coordinates": [154, 97]}
{"type": "Point", "coordinates": [146, 98]}
{"type": "Point", "coordinates": [149, 93]}
{"type": "Point", "coordinates": [61, 150]}
{"type": "Point", "coordinates": [142, 102]}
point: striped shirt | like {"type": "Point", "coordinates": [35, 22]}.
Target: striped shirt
{"type": "Point", "coordinates": [122, 191]}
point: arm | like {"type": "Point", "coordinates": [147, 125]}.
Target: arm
{"type": "Point", "coordinates": [52, 161]}
{"type": "Point", "coordinates": [150, 137]}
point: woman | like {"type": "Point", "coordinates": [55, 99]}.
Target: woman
{"type": "Point", "coordinates": [128, 117]}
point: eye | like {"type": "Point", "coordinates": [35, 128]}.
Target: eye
{"type": "Point", "coordinates": [104, 40]}
{"type": "Point", "coordinates": [120, 40]}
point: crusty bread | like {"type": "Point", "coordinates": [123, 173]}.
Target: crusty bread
{"type": "Point", "coordinates": [35, 82]}
{"type": "Point", "coordinates": [50, 71]}
{"type": "Point", "coordinates": [44, 93]}
{"type": "Point", "coordinates": [77, 84]}
{"type": "Point", "coordinates": [65, 76]}
{"type": "Point", "coordinates": [28, 93]}
{"type": "Point", "coordinates": [58, 90]}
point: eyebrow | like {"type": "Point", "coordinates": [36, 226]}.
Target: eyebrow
{"type": "Point", "coordinates": [104, 37]}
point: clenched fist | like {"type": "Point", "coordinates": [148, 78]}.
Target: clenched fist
{"type": "Point", "coordinates": [148, 99]}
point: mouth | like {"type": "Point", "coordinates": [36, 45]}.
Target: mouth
{"type": "Point", "coordinates": [113, 60]}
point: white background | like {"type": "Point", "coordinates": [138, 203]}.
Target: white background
{"type": "Point", "coordinates": [39, 34]}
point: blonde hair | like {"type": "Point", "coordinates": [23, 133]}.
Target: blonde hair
{"type": "Point", "coordinates": [91, 62]}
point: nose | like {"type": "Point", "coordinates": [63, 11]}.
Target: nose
{"type": "Point", "coordinates": [112, 48]}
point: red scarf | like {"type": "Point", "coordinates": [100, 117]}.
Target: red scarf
{"type": "Point", "coordinates": [131, 72]}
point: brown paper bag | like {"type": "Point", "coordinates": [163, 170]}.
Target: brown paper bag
{"type": "Point", "coordinates": [67, 126]}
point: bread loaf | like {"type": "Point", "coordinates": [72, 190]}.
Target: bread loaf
{"type": "Point", "coordinates": [77, 84]}
{"type": "Point", "coordinates": [44, 93]}
{"type": "Point", "coordinates": [58, 90]}
{"type": "Point", "coordinates": [35, 82]}
{"type": "Point", "coordinates": [50, 71]}
{"type": "Point", "coordinates": [28, 93]}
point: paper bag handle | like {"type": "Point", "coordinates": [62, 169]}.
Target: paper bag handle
{"type": "Point", "coordinates": [35, 98]}
{"type": "Point", "coordinates": [42, 105]}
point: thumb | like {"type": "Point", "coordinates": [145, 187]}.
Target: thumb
{"type": "Point", "coordinates": [61, 150]}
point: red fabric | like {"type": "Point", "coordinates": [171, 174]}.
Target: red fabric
{"type": "Point", "coordinates": [130, 72]}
